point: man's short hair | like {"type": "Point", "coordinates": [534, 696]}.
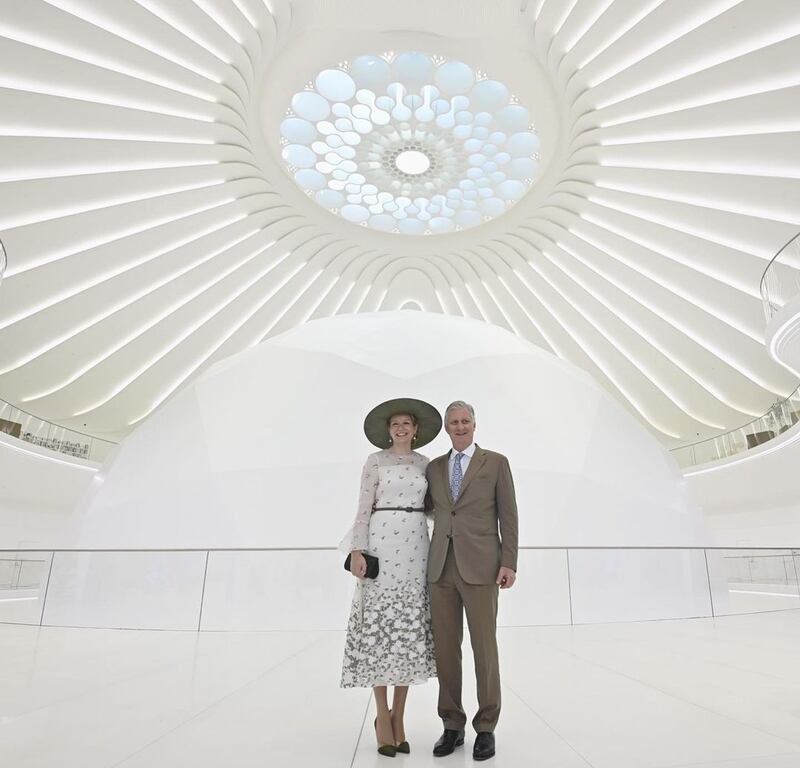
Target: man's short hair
{"type": "Point", "coordinates": [459, 404]}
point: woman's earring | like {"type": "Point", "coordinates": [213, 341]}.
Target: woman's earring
{"type": "Point", "coordinates": [390, 441]}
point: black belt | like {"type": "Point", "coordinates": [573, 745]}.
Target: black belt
{"type": "Point", "coordinates": [401, 509]}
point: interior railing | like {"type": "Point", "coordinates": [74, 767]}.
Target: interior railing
{"type": "Point", "coordinates": [782, 416]}
{"type": "Point", "coordinates": [781, 279]}
{"type": "Point", "coordinates": [25, 426]}
{"type": "Point", "coordinates": [235, 589]}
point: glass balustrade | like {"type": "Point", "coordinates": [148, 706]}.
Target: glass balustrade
{"type": "Point", "coordinates": [32, 429]}
{"type": "Point", "coordinates": [237, 589]}
{"type": "Point", "coordinates": [781, 279]}
{"type": "Point", "coordinates": [782, 416]}
{"type": "Point", "coordinates": [780, 283]}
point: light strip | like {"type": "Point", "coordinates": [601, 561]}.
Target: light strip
{"type": "Point", "coordinates": [709, 386]}
{"type": "Point", "coordinates": [674, 288]}
{"type": "Point", "coordinates": [301, 292]}
{"type": "Point", "coordinates": [576, 337]}
{"type": "Point", "coordinates": [706, 12]}
{"type": "Point", "coordinates": [345, 295]}
{"type": "Point", "coordinates": [588, 23]}
{"type": "Point", "coordinates": [95, 242]}
{"type": "Point", "coordinates": [220, 20]}
{"type": "Point", "coordinates": [748, 289]}
{"type": "Point", "coordinates": [165, 393]}
{"type": "Point", "coordinates": [507, 317]}
{"type": "Point", "coordinates": [733, 91]}
{"type": "Point", "coordinates": [553, 346]}
{"type": "Point", "coordinates": [566, 13]}
{"type": "Point", "coordinates": [652, 136]}
{"type": "Point", "coordinates": [620, 347]}
{"type": "Point", "coordinates": [185, 334]}
{"type": "Point", "coordinates": [78, 171]}
{"type": "Point", "coordinates": [78, 94]}
{"type": "Point", "coordinates": [245, 11]}
{"type": "Point", "coordinates": [480, 308]}
{"type": "Point", "coordinates": [584, 345]}
{"type": "Point", "coordinates": [791, 327]}
{"type": "Point", "coordinates": [634, 326]}
{"type": "Point", "coordinates": [630, 22]}
{"type": "Point", "coordinates": [653, 164]}
{"type": "Point", "coordinates": [699, 202]}
{"type": "Point", "coordinates": [16, 599]}
{"type": "Point", "coordinates": [38, 132]}
{"type": "Point", "coordinates": [169, 310]}
{"type": "Point", "coordinates": [458, 301]}
{"type": "Point", "coordinates": [306, 316]}
{"type": "Point", "coordinates": [60, 47]}
{"type": "Point", "coordinates": [784, 31]}
{"type": "Point", "coordinates": [511, 324]}
{"type": "Point", "coordinates": [111, 24]}
{"type": "Point", "coordinates": [55, 340]}
{"type": "Point", "coordinates": [45, 215]}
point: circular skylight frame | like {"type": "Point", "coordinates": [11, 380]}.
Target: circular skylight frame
{"type": "Point", "coordinates": [343, 134]}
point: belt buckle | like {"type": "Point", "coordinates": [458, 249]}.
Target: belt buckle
{"type": "Point", "coordinates": [409, 510]}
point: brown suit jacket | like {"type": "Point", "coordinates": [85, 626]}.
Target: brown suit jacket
{"type": "Point", "coordinates": [486, 503]}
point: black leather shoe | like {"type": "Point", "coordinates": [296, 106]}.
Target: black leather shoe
{"type": "Point", "coordinates": [449, 740]}
{"type": "Point", "coordinates": [484, 746]}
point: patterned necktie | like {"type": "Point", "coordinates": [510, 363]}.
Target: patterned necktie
{"type": "Point", "coordinates": [455, 482]}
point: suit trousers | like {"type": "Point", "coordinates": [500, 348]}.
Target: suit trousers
{"type": "Point", "coordinates": [451, 596]}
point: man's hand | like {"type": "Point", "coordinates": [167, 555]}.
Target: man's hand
{"type": "Point", "coordinates": [506, 577]}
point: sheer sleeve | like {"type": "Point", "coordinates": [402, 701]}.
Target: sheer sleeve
{"type": "Point", "coordinates": [358, 535]}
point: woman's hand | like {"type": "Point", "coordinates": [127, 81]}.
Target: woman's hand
{"type": "Point", "coordinates": [358, 565]}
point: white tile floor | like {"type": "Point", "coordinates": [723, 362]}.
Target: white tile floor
{"type": "Point", "coordinates": [706, 693]}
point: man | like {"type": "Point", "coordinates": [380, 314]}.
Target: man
{"type": "Point", "coordinates": [471, 496]}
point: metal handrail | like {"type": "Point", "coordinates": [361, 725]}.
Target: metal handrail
{"type": "Point", "coordinates": [724, 445]}
{"type": "Point", "coordinates": [57, 438]}
{"type": "Point", "coordinates": [770, 307]}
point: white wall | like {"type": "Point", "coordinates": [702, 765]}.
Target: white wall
{"type": "Point", "coordinates": [38, 493]}
{"type": "Point", "coordinates": [753, 500]}
{"type": "Point", "coordinates": [265, 448]}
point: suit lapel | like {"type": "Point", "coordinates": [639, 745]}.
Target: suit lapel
{"type": "Point", "coordinates": [475, 463]}
{"type": "Point", "coordinates": [445, 469]}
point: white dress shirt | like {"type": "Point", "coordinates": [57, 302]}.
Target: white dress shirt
{"type": "Point", "coordinates": [451, 462]}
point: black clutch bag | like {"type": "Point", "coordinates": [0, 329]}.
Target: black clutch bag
{"type": "Point", "coordinates": [372, 565]}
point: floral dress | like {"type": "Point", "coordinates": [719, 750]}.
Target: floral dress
{"type": "Point", "coordinates": [389, 640]}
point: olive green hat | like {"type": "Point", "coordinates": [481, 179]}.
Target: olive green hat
{"type": "Point", "coordinates": [429, 421]}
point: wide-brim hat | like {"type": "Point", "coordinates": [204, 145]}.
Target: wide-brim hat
{"type": "Point", "coordinates": [429, 421]}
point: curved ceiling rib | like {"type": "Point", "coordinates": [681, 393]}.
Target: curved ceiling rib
{"type": "Point", "coordinates": [151, 229]}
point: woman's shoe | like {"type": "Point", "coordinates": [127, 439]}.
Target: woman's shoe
{"type": "Point", "coordinates": [387, 750]}
{"type": "Point", "coordinates": [403, 746]}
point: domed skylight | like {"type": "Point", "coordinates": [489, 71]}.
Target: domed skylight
{"type": "Point", "coordinates": [410, 143]}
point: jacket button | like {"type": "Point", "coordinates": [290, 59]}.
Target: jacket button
{"type": "Point", "coordinates": [453, 513]}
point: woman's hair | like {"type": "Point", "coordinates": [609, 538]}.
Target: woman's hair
{"type": "Point", "coordinates": [411, 416]}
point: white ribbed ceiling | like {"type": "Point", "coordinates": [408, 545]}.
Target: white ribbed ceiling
{"type": "Point", "coordinates": [152, 227]}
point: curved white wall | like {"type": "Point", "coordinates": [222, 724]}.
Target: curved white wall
{"type": "Point", "coordinates": [265, 449]}
{"type": "Point", "coordinates": [38, 494]}
{"type": "Point", "coordinates": [753, 499]}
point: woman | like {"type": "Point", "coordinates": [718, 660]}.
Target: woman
{"type": "Point", "coordinates": [389, 640]}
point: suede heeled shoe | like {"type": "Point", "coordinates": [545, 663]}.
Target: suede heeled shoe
{"type": "Point", "coordinates": [387, 750]}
